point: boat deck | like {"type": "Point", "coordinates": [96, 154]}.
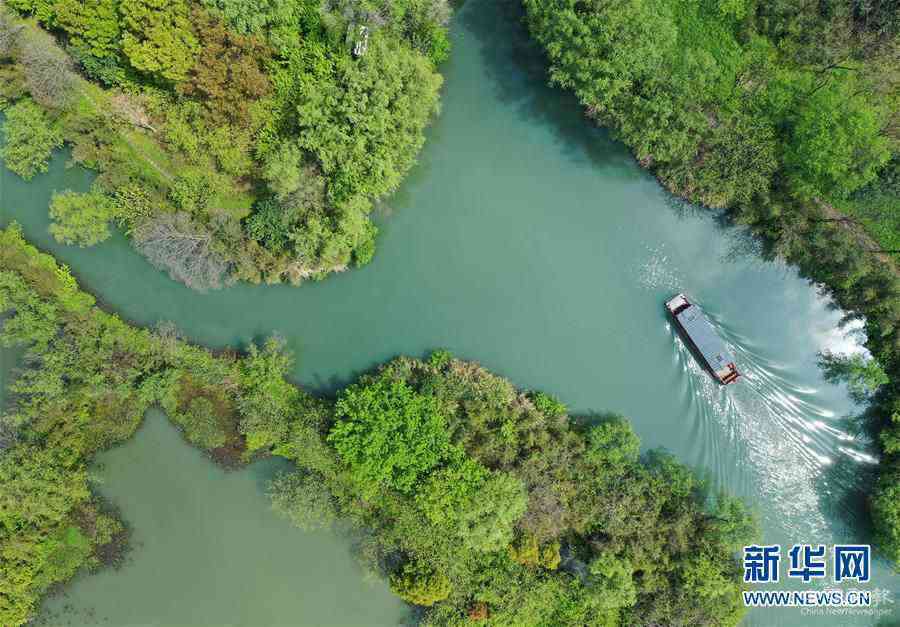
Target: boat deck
{"type": "Point", "coordinates": [703, 336]}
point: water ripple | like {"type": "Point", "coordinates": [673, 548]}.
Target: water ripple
{"type": "Point", "coordinates": [778, 426]}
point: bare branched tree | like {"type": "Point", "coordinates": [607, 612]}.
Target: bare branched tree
{"type": "Point", "coordinates": [48, 73]}
{"type": "Point", "coordinates": [9, 432]}
{"type": "Point", "coordinates": [184, 248]}
{"type": "Point", "coordinates": [9, 35]}
{"type": "Point", "coordinates": [440, 12]}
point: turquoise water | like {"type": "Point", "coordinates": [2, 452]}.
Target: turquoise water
{"type": "Point", "coordinates": [531, 242]}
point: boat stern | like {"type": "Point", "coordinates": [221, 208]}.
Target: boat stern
{"type": "Point", "coordinates": [728, 374]}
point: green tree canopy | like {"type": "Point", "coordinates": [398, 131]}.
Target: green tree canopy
{"type": "Point", "coordinates": [93, 24]}
{"type": "Point", "coordinates": [388, 434]}
{"type": "Point", "coordinates": [81, 219]}
{"type": "Point", "coordinates": [836, 145]}
{"type": "Point", "coordinates": [31, 137]}
{"type": "Point", "coordinates": [158, 37]}
{"type": "Point", "coordinates": [420, 585]}
{"type": "Point", "coordinates": [363, 119]}
{"type": "Point", "coordinates": [267, 402]}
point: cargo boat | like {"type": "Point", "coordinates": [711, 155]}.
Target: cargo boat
{"type": "Point", "coordinates": [703, 338]}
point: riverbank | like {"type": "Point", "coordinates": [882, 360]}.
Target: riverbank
{"type": "Point", "coordinates": [732, 108]}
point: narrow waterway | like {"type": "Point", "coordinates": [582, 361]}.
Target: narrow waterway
{"type": "Point", "coordinates": [531, 242]}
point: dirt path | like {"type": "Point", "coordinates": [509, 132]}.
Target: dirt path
{"type": "Point", "coordinates": [84, 89]}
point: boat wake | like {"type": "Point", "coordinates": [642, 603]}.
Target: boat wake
{"type": "Point", "coordinates": [782, 433]}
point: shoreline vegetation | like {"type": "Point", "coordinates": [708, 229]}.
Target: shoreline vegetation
{"type": "Point", "coordinates": [476, 501]}
{"type": "Point", "coordinates": [232, 140]}
{"type": "Point", "coordinates": [785, 114]}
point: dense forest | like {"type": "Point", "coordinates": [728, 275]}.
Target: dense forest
{"type": "Point", "coordinates": [476, 501]}
{"type": "Point", "coordinates": [233, 140]}
{"type": "Point", "coordinates": [785, 113]}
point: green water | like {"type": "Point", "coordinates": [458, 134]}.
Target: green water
{"type": "Point", "coordinates": [528, 241]}
{"type": "Point", "coordinates": [208, 551]}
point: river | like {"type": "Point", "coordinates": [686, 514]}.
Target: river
{"type": "Point", "coordinates": [527, 240]}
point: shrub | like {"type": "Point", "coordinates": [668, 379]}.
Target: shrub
{"type": "Point", "coordinates": [420, 585]}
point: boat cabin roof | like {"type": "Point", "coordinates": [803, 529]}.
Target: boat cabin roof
{"type": "Point", "coordinates": [705, 338]}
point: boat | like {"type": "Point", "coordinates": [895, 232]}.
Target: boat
{"type": "Point", "coordinates": [703, 338]}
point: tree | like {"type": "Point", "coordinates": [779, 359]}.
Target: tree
{"type": "Point", "coordinates": [388, 434]}
{"type": "Point", "coordinates": [228, 74]}
{"type": "Point", "coordinates": [81, 219]}
{"type": "Point", "coordinates": [486, 520]}
{"type": "Point", "coordinates": [48, 73]}
{"type": "Point", "coordinates": [201, 424]}
{"type": "Point", "coordinates": [267, 401]}
{"type": "Point", "coordinates": [614, 57]}
{"type": "Point", "coordinates": [10, 32]}
{"type": "Point", "coordinates": [282, 168]}
{"type": "Point", "coordinates": [184, 248]}
{"type": "Point", "coordinates": [862, 375]}
{"type": "Point", "coordinates": [425, 26]}
{"type": "Point", "coordinates": [733, 524]}
{"type": "Point", "coordinates": [448, 490]}
{"type": "Point", "coordinates": [36, 490]}
{"type": "Point", "coordinates": [611, 582]}
{"type": "Point", "coordinates": [612, 445]}
{"type": "Point", "coordinates": [735, 166]}
{"type": "Point", "coordinates": [364, 119]}
{"type": "Point", "coordinates": [92, 24]}
{"type": "Point", "coordinates": [836, 145]}
{"type": "Point", "coordinates": [303, 499]}
{"type": "Point", "coordinates": [478, 507]}
{"type": "Point", "coordinates": [41, 9]}
{"type": "Point", "coordinates": [270, 224]}
{"type": "Point", "coordinates": [30, 139]}
{"type": "Point", "coordinates": [252, 18]}
{"type": "Point", "coordinates": [885, 503]}
{"type": "Point", "coordinates": [890, 433]}
{"type": "Point", "coordinates": [526, 550]}
{"type": "Point", "coordinates": [158, 37]}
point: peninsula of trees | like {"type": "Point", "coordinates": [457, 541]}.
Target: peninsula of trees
{"type": "Point", "coordinates": [475, 500]}
{"type": "Point", "coordinates": [785, 112]}
{"type": "Point", "coordinates": [233, 140]}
